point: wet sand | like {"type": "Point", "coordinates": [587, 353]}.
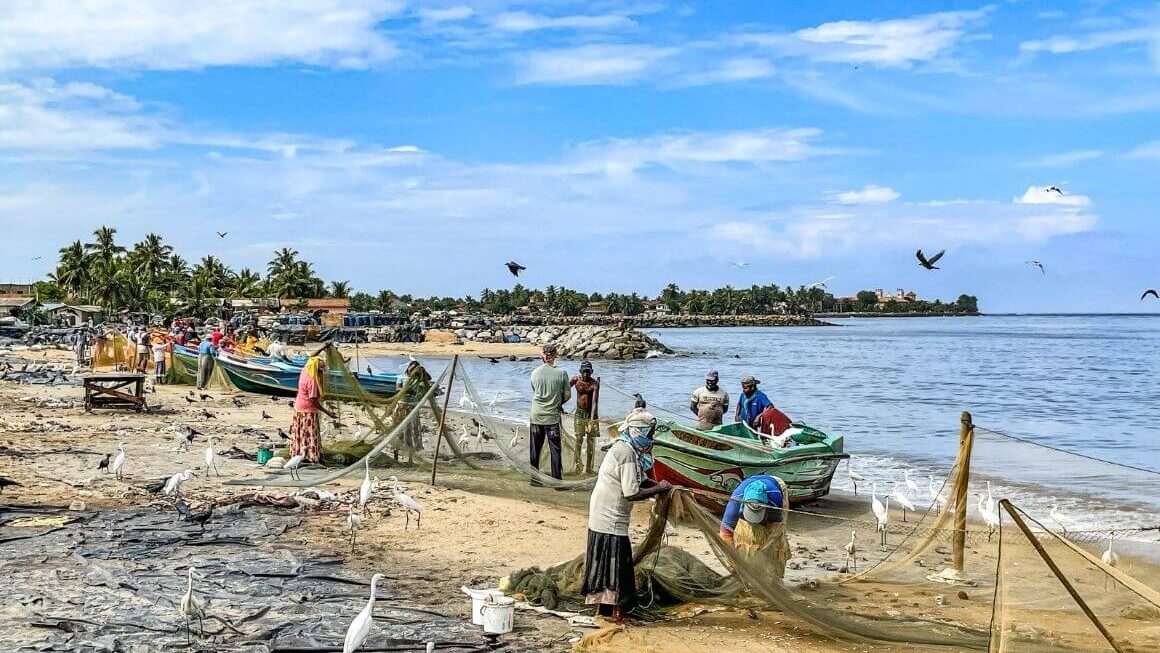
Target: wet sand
{"type": "Point", "coordinates": [474, 531]}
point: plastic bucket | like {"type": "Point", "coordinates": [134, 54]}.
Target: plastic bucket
{"type": "Point", "coordinates": [264, 455]}
{"type": "Point", "coordinates": [498, 615]}
{"type": "Point", "coordinates": [478, 597]}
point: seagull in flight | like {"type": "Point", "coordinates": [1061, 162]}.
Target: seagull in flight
{"type": "Point", "coordinates": [222, 234]}
{"type": "Point", "coordinates": [514, 268]}
{"type": "Point", "coordinates": [929, 263]}
{"type": "Point", "coordinates": [741, 264]}
{"type": "Point", "coordinates": [820, 284]}
{"type": "Point", "coordinates": [1039, 265]}
{"type": "Point", "coordinates": [36, 258]}
{"type": "Point", "coordinates": [1053, 189]}
{"type": "Point", "coordinates": [1150, 291]}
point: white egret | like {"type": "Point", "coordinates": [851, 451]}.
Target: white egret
{"type": "Point", "coordinates": [854, 476]}
{"type": "Point", "coordinates": [514, 441]}
{"type": "Point", "coordinates": [900, 497]}
{"type": "Point", "coordinates": [1060, 519]}
{"type": "Point", "coordinates": [990, 516]}
{"type": "Point", "coordinates": [353, 521]}
{"type": "Point", "coordinates": [366, 490]}
{"type": "Point", "coordinates": [491, 404]}
{"type": "Point", "coordinates": [911, 486]}
{"type": "Point", "coordinates": [173, 485]}
{"type": "Point", "coordinates": [409, 505]}
{"type": "Point", "coordinates": [466, 402]}
{"type": "Point", "coordinates": [937, 496]}
{"type": "Point", "coordinates": [190, 607]}
{"type": "Point", "coordinates": [852, 552]}
{"type": "Point", "coordinates": [881, 512]}
{"type": "Point", "coordinates": [1109, 558]}
{"type": "Point", "coordinates": [211, 459]}
{"type": "Point", "coordinates": [118, 462]}
{"type": "Point", "coordinates": [357, 633]}
{"type": "Point", "coordinates": [990, 503]}
{"type": "Point", "coordinates": [293, 464]}
{"type": "Point", "coordinates": [430, 647]}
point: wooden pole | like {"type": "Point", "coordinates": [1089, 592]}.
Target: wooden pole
{"type": "Point", "coordinates": [966, 442]}
{"type": "Point", "coordinates": [1006, 505]}
{"type": "Point", "coordinates": [596, 401]}
{"type": "Point", "coordinates": [443, 417]}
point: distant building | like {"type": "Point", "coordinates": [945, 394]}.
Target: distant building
{"type": "Point", "coordinates": [14, 290]}
{"type": "Point", "coordinates": [898, 296]}
{"type": "Point", "coordinates": [73, 315]}
{"type": "Point", "coordinates": [257, 304]}
{"type": "Point", "coordinates": [324, 305]}
{"type": "Point", "coordinates": [656, 307]}
{"type": "Point", "coordinates": [10, 306]}
{"type": "Point", "coordinates": [595, 308]}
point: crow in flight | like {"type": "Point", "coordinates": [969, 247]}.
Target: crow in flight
{"type": "Point", "coordinates": [515, 268]}
{"type": "Point", "coordinates": [1150, 291]}
{"type": "Point", "coordinates": [222, 234]}
{"type": "Point", "coordinates": [929, 263]}
{"type": "Point", "coordinates": [1038, 265]}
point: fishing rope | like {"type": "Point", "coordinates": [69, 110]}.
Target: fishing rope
{"type": "Point", "coordinates": [1066, 451]}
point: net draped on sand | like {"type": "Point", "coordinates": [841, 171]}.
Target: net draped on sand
{"type": "Point", "coordinates": [1033, 585]}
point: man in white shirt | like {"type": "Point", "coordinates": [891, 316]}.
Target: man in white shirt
{"type": "Point", "coordinates": [709, 402]}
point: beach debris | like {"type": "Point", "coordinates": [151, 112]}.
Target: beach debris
{"type": "Point", "coordinates": [514, 268]}
{"type": "Point", "coordinates": [77, 505]}
{"type": "Point", "coordinates": [929, 264]}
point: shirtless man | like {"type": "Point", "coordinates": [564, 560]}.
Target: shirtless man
{"type": "Point", "coordinates": [586, 428]}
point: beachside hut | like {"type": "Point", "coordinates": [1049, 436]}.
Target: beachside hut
{"type": "Point", "coordinates": [15, 306]}
{"type": "Point", "coordinates": [73, 315]}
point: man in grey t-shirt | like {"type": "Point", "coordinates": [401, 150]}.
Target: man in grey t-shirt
{"type": "Point", "coordinates": [549, 394]}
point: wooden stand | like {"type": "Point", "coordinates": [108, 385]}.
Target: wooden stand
{"type": "Point", "coordinates": [107, 391]}
{"type": "Point", "coordinates": [443, 417]}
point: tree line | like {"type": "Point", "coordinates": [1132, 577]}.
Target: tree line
{"type": "Point", "coordinates": [151, 277]}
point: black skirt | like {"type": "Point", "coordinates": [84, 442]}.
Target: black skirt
{"type": "Point", "coordinates": [608, 566]}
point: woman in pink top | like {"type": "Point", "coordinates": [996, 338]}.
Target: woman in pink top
{"type": "Point", "coordinates": [305, 430]}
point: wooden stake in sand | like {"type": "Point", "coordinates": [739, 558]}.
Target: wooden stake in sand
{"type": "Point", "coordinates": [443, 417]}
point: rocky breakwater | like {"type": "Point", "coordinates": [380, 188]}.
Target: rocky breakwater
{"type": "Point", "coordinates": [576, 342]}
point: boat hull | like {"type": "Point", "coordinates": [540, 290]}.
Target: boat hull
{"type": "Point", "coordinates": [718, 462]}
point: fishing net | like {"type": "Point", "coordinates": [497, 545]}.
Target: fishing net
{"type": "Point", "coordinates": [182, 370]}
{"type": "Point", "coordinates": [924, 577]}
{"type": "Point", "coordinates": [112, 351]}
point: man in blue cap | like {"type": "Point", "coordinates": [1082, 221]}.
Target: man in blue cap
{"type": "Point", "coordinates": [759, 501]}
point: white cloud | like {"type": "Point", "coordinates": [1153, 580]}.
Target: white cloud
{"type": "Point", "coordinates": [870, 194]}
{"type": "Point", "coordinates": [1093, 41]}
{"type": "Point", "coordinates": [1063, 159]}
{"type": "Point", "coordinates": [899, 42]}
{"type": "Point", "coordinates": [176, 34]}
{"type": "Point", "coordinates": [522, 21]}
{"type": "Point", "coordinates": [757, 146]}
{"type": "Point", "coordinates": [590, 64]}
{"type": "Point", "coordinates": [1052, 195]}
{"type": "Point", "coordinates": [446, 14]}
{"type": "Point", "coordinates": [1149, 150]}
{"type": "Point", "coordinates": [731, 70]}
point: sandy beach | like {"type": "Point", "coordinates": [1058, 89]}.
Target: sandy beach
{"type": "Point", "coordinates": [473, 532]}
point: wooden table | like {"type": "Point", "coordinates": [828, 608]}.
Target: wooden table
{"type": "Point", "coordinates": [115, 390]}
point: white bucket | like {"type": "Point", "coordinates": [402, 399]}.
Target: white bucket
{"type": "Point", "coordinates": [477, 599]}
{"type": "Point", "coordinates": [498, 615]}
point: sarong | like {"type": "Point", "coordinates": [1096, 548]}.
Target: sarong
{"type": "Point", "coordinates": [306, 436]}
{"type": "Point", "coordinates": [608, 571]}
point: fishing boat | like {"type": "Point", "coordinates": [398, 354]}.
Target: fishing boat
{"type": "Point", "coordinates": [281, 378]}
{"type": "Point", "coordinates": [718, 460]}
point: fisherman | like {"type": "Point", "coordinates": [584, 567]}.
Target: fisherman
{"type": "Point", "coordinates": [276, 349]}
{"type": "Point", "coordinates": [550, 392]}
{"type": "Point", "coordinates": [751, 403]}
{"type": "Point", "coordinates": [306, 429]}
{"type": "Point", "coordinates": [160, 346]}
{"type": "Point", "coordinates": [609, 580]}
{"type": "Point", "coordinates": [759, 501]}
{"type": "Point", "coordinates": [141, 340]}
{"type": "Point", "coordinates": [710, 402]}
{"type": "Point", "coordinates": [215, 337]}
{"type": "Point", "coordinates": [205, 353]}
{"type": "Point", "coordinates": [585, 427]}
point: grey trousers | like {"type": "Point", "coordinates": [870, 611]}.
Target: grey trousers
{"type": "Point", "coordinates": [204, 365]}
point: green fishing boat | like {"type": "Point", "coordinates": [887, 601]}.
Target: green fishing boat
{"type": "Point", "coordinates": [720, 459]}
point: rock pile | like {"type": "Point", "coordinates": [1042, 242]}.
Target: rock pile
{"type": "Point", "coordinates": [575, 342]}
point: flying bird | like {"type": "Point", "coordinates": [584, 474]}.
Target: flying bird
{"type": "Point", "coordinates": [1150, 291]}
{"type": "Point", "coordinates": [222, 234]}
{"type": "Point", "coordinates": [740, 264]}
{"type": "Point", "coordinates": [514, 268]}
{"type": "Point", "coordinates": [1038, 264]}
{"type": "Point", "coordinates": [36, 258]}
{"type": "Point", "coordinates": [820, 284]}
{"type": "Point", "coordinates": [929, 263]}
{"type": "Point", "coordinates": [1053, 189]}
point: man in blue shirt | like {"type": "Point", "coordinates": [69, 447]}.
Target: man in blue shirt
{"type": "Point", "coordinates": [751, 403]}
{"type": "Point", "coordinates": [758, 500]}
{"type": "Point", "coordinates": [205, 353]}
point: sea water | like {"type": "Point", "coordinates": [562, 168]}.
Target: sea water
{"type": "Point", "coordinates": [895, 388]}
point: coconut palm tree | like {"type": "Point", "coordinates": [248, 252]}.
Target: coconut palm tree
{"type": "Point", "coordinates": [104, 246]}
{"type": "Point", "coordinates": [340, 289]}
{"type": "Point", "coordinates": [151, 257]}
{"type": "Point", "coordinates": [246, 283]}
{"type": "Point", "coordinates": [72, 272]}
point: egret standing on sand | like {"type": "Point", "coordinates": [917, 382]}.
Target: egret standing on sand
{"type": "Point", "coordinates": [937, 497]}
{"type": "Point", "coordinates": [408, 504]}
{"type": "Point", "coordinates": [357, 633]}
{"type": "Point", "coordinates": [293, 465]}
{"type": "Point", "coordinates": [881, 512]}
{"type": "Point", "coordinates": [854, 476]}
{"type": "Point", "coordinates": [366, 490]}
{"type": "Point", "coordinates": [353, 521]}
{"type": "Point", "coordinates": [852, 552]}
{"type": "Point", "coordinates": [119, 461]}
{"type": "Point", "coordinates": [211, 459]}
{"type": "Point", "coordinates": [911, 486]}
{"type": "Point", "coordinates": [900, 497]}
{"type": "Point", "coordinates": [173, 485]}
{"type": "Point", "coordinates": [1110, 558]}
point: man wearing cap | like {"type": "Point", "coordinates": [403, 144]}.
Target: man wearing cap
{"type": "Point", "coordinates": [709, 403]}
{"type": "Point", "coordinates": [586, 428]}
{"type": "Point", "coordinates": [609, 581]}
{"type": "Point", "coordinates": [759, 501]}
{"type": "Point", "coordinates": [549, 394]}
{"type": "Point", "coordinates": [751, 403]}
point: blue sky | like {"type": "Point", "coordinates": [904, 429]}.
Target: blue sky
{"type": "Point", "coordinates": [605, 145]}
